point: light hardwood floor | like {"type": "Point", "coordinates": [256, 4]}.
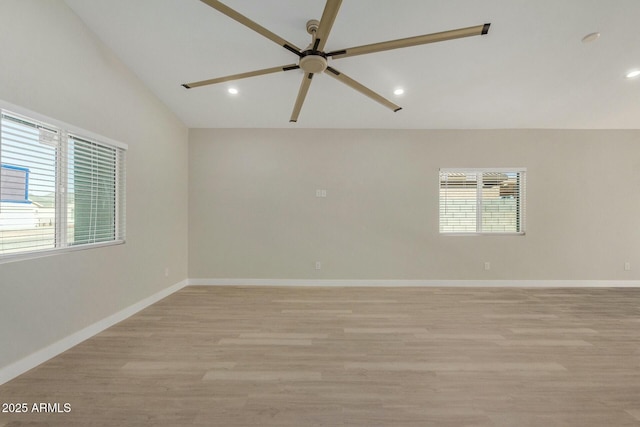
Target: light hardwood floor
{"type": "Point", "coordinates": [258, 356]}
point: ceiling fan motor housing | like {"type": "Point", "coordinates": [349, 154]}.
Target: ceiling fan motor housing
{"type": "Point", "coordinates": [313, 63]}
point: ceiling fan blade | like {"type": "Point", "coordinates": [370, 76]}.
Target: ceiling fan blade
{"type": "Point", "coordinates": [478, 30]}
{"type": "Point", "coordinates": [302, 94]}
{"type": "Point", "coordinates": [223, 8]}
{"type": "Point", "coordinates": [242, 76]}
{"type": "Point", "coordinates": [326, 22]}
{"type": "Point", "coordinates": [362, 89]}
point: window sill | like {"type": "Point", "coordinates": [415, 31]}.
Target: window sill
{"type": "Point", "coordinates": [4, 259]}
{"type": "Point", "coordinates": [483, 234]}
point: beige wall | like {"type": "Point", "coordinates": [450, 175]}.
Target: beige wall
{"type": "Point", "coordinates": [53, 65]}
{"type": "Point", "coordinates": [253, 211]}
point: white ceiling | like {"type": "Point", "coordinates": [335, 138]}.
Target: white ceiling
{"type": "Point", "coordinates": [530, 71]}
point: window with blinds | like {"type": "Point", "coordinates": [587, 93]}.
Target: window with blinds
{"type": "Point", "coordinates": [475, 201]}
{"type": "Point", "coordinates": [58, 190]}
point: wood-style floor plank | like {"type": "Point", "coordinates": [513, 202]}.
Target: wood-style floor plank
{"type": "Point", "coordinates": [283, 356]}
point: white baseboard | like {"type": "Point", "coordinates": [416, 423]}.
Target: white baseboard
{"type": "Point", "coordinates": [421, 283]}
{"type": "Point", "coordinates": [11, 371]}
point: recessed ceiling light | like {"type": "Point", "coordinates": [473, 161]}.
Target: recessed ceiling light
{"type": "Point", "coordinates": [232, 91]}
{"type": "Point", "coordinates": [591, 37]}
{"type": "Point", "coordinates": [632, 74]}
{"type": "Point", "coordinates": [398, 91]}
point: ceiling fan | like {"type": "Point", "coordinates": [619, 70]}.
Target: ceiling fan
{"type": "Point", "coordinates": [313, 59]}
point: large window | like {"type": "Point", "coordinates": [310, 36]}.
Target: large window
{"type": "Point", "coordinates": [482, 201]}
{"type": "Point", "coordinates": [60, 188]}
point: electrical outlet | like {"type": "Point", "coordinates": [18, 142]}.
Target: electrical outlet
{"type": "Point", "coordinates": [487, 265]}
{"type": "Point", "coordinates": [318, 265]}
{"type": "Point", "coordinates": [627, 266]}
{"type": "Point", "coordinates": [166, 272]}
{"type": "Point", "coordinates": [321, 193]}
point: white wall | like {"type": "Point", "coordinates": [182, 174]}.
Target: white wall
{"type": "Point", "coordinates": [253, 211]}
{"type": "Point", "coordinates": [53, 65]}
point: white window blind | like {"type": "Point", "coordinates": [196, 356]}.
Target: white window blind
{"type": "Point", "coordinates": [58, 189]}
{"type": "Point", "coordinates": [482, 200]}
{"type": "Point", "coordinates": [95, 200]}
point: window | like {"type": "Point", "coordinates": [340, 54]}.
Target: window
{"type": "Point", "coordinates": [482, 200]}
{"type": "Point", "coordinates": [60, 188]}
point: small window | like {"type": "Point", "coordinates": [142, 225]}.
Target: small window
{"type": "Point", "coordinates": [59, 190]}
{"type": "Point", "coordinates": [482, 201]}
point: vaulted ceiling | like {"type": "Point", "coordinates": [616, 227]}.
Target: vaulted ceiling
{"type": "Point", "coordinates": [532, 70]}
